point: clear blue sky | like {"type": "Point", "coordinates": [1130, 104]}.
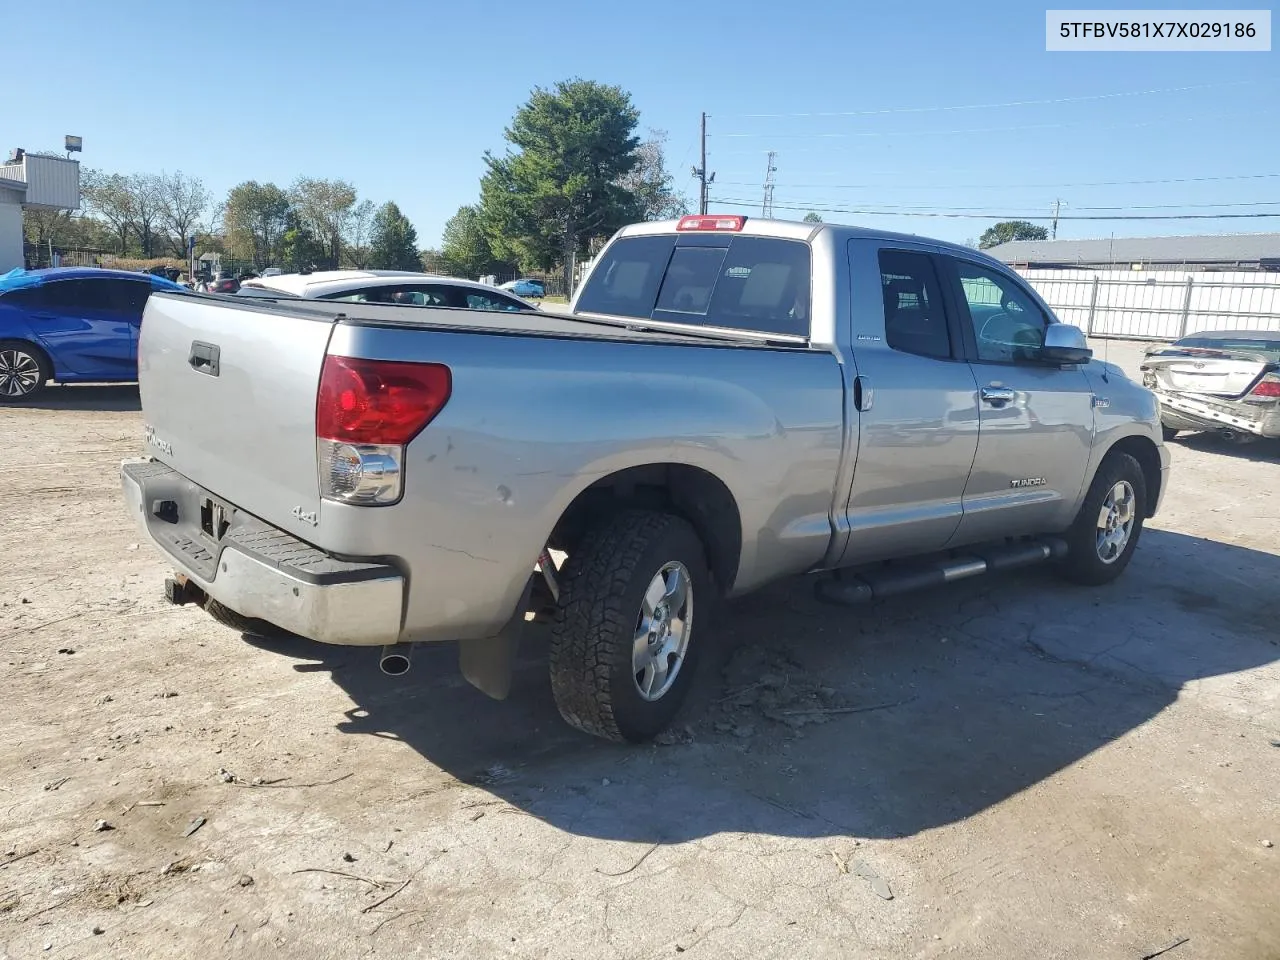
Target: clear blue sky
{"type": "Point", "coordinates": [403, 98]}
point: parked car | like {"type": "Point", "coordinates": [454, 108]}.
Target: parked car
{"type": "Point", "coordinates": [391, 286]}
{"type": "Point", "coordinates": [70, 324]}
{"type": "Point", "coordinates": [528, 287]}
{"type": "Point", "coordinates": [1226, 381]}
{"type": "Point", "coordinates": [224, 282]}
{"type": "Point", "coordinates": [730, 402]}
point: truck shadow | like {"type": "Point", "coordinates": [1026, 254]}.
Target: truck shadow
{"type": "Point", "coordinates": [1259, 451]}
{"type": "Point", "coordinates": [877, 722]}
{"type": "Point", "coordinates": [86, 396]}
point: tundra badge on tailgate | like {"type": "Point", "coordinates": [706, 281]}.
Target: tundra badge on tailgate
{"type": "Point", "coordinates": [164, 446]}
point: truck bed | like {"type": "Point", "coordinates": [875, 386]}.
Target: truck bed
{"type": "Point", "coordinates": [541, 408]}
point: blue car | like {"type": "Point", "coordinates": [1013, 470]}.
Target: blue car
{"type": "Point", "coordinates": [70, 324]}
{"type": "Point", "coordinates": [526, 287]}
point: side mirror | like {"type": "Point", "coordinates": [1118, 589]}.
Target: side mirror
{"type": "Point", "coordinates": [1065, 344]}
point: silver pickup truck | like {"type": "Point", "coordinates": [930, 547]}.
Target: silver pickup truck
{"type": "Point", "coordinates": [729, 402]}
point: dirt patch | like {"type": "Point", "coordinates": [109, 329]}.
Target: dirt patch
{"type": "Point", "coordinates": [1011, 767]}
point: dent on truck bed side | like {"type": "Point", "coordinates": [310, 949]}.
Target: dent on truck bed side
{"type": "Point", "coordinates": [533, 421]}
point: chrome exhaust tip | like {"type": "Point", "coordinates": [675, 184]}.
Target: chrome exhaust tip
{"type": "Point", "coordinates": [395, 659]}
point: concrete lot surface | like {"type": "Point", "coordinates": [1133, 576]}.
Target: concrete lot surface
{"type": "Point", "coordinates": [1009, 768]}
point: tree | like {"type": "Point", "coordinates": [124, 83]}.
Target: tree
{"type": "Point", "coordinates": [395, 242]}
{"type": "Point", "coordinates": [651, 184]}
{"type": "Point", "coordinates": [812, 217]}
{"type": "Point", "coordinates": [299, 251]}
{"type": "Point", "coordinates": [1008, 230]}
{"type": "Point", "coordinates": [256, 217]}
{"type": "Point", "coordinates": [464, 245]}
{"type": "Point", "coordinates": [110, 197]}
{"type": "Point", "coordinates": [145, 188]}
{"type": "Point", "coordinates": [183, 204]}
{"type": "Point", "coordinates": [325, 207]}
{"type": "Point", "coordinates": [359, 228]}
{"type": "Point", "coordinates": [574, 144]}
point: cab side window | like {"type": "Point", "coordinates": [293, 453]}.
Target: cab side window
{"type": "Point", "coordinates": [1007, 323]}
{"type": "Point", "coordinates": [476, 300]}
{"type": "Point", "coordinates": [914, 318]}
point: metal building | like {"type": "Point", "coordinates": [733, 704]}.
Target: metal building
{"type": "Point", "coordinates": [1239, 251]}
{"type": "Point", "coordinates": [37, 181]}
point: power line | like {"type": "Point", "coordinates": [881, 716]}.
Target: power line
{"type": "Point", "coordinates": [1010, 216]}
{"type": "Point", "coordinates": [1149, 206]}
{"type": "Point", "coordinates": [992, 106]}
{"type": "Point", "coordinates": [873, 134]}
{"type": "Point", "coordinates": [1011, 186]}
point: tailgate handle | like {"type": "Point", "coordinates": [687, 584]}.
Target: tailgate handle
{"type": "Point", "coordinates": [204, 357]}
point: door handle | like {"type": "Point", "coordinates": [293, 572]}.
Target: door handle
{"type": "Point", "coordinates": [998, 396]}
{"type": "Point", "coordinates": [204, 358]}
{"type": "Point", "coordinates": [863, 394]}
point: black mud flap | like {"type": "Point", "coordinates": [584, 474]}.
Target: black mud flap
{"type": "Point", "coordinates": [488, 664]}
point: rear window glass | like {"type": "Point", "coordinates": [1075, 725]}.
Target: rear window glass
{"type": "Point", "coordinates": [754, 283]}
{"type": "Point", "coordinates": [625, 283]}
{"type": "Point", "coordinates": [1270, 348]}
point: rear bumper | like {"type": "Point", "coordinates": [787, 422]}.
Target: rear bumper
{"type": "Point", "coordinates": [259, 571]}
{"type": "Point", "coordinates": [1185, 412]}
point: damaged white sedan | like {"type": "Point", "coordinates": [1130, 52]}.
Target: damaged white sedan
{"type": "Point", "coordinates": [1223, 381]}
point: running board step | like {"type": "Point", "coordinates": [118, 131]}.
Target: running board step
{"type": "Point", "coordinates": [852, 588]}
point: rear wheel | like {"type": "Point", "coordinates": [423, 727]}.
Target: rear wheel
{"type": "Point", "coordinates": [24, 370]}
{"type": "Point", "coordinates": [1106, 531]}
{"type": "Point", "coordinates": [623, 650]}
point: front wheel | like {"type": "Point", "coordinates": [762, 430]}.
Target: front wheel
{"type": "Point", "coordinates": [1106, 530]}
{"type": "Point", "coordinates": [24, 371]}
{"type": "Point", "coordinates": [623, 649]}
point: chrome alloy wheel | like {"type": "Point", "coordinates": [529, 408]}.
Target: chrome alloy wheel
{"type": "Point", "coordinates": [662, 631]}
{"type": "Point", "coordinates": [1115, 521]}
{"type": "Point", "coordinates": [19, 373]}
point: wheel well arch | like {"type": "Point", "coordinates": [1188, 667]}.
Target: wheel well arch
{"type": "Point", "coordinates": [693, 493]}
{"type": "Point", "coordinates": [1144, 450]}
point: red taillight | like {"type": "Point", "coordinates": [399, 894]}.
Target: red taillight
{"type": "Point", "coordinates": [711, 222]}
{"type": "Point", "coordinates": [379, 401]}
{"type": "Point", "coordinates": [1268, 387]}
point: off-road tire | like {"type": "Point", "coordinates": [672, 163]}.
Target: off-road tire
{"type": "Point", "coordinates": [602, 585]}
{"type": "Point", "coordinates": [43, 365]}
{"type": "Point", "coordinates": [1082, 564]}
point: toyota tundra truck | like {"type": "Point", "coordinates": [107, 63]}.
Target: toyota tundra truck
{"type": "Point", "coordinates": [729, 401]}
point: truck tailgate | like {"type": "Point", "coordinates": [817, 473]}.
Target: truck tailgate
{"type": "Point", "coordinates": [1206, 372]}
{"type": "Point", "coordinates": [229, 394]}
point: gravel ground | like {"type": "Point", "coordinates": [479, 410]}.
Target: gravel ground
{"type": "Point", "coordinates": [1008, 768]}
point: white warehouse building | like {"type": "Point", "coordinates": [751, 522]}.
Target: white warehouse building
{"type": "Point", "coordinates": [38, 181]}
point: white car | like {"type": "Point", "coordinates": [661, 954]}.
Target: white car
{"type": "Point", "coordinates": [386, 286]}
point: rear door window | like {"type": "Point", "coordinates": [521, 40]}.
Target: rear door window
{"type": "Point", "coordinates": [128, 297]}
{"type": "Point", "coordinates": [914, 321]}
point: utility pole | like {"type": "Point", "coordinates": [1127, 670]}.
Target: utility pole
{"type": "Point", "coordinates": [1057, 207]}
{"type": "Point", "coordinates": [700, 172]}
{"type": "Point", "coordinates": [766, 208]}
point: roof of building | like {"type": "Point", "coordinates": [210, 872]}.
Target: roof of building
{"type": "Point", "coordinates": [1226, 248]}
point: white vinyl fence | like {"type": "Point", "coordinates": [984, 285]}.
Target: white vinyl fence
{"type": "Point", "coordinates": [1159, 305]}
